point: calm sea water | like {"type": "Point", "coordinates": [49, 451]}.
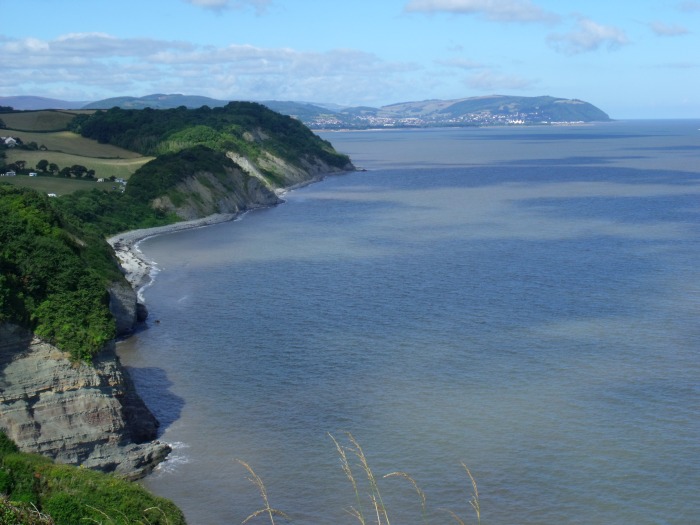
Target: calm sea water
{"type": "Point", "coordinates": [523, 300]}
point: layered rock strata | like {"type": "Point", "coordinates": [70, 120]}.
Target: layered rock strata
{"type": "Point", "coordinates": [76, 413]}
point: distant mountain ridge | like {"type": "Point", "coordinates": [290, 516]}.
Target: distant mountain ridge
{"type": "Point", "coordinates": [471, 111]}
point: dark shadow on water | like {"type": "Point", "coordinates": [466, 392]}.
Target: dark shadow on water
{"type": "Point", "coordinates": [570, 161]}
{"type": "Point", "coordinates": [154, 387]}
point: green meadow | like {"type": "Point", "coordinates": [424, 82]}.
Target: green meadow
{"type": "Point", "coordinates": [47, 129]}
{"type": "Point", "coordinates": [45, 120]}
{"type": "Point", "coordinates": [57, 185]}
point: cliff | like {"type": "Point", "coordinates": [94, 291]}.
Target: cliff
{"type": "Point", "coordinates": [239, 186]}
{"type": "Point", "coordinates": [76, 413]}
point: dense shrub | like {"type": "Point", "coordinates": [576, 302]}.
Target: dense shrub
{"type": "Point", "coordinates": [53, 277]}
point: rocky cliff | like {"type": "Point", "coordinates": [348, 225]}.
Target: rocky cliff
{"type": "Point", "coordinates": [244, 186]}
{"type": "Point", "coordinates": [76, 413]}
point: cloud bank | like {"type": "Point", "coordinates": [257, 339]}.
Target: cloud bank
{"type": "Point", "coordinates": [495, 10]}
{"type": "Point", "coordinates": [588, 36]}
{"type": "Point", "coordinates": [85, 65]}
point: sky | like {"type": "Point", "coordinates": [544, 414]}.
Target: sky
{"type": "Point", "coordinates": [631, 58]}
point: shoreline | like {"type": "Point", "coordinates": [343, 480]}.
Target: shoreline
{"type": "Point", "coordinates": [137, 268]}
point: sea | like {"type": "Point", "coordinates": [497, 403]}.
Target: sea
{"type": "Point", "coordinates": [517, 306]}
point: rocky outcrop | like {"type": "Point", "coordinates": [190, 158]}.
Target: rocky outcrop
{"type": "Point", "coordinates": [247, 186]}
{"type": "Point", "coordinates": [125, 308]}
{"type": "Point", "coordinates": [76, 413]}
{"type": "Point", "coordinates": [203, 194]}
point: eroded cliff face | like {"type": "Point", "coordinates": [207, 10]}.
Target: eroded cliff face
{"type": "Point", "coordinates": [74, 412]}
{"type": "Point", "coordinates": [204, 193]}
{"type": "Point", "coordinates": [248, 186]}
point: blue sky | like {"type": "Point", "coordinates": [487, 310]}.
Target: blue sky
{"type": "Point", "coordinates": [633, 59]}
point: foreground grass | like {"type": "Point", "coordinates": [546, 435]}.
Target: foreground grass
{"type": "Point", "coordinates": [368, 506]}
{"type": "Point", "coordinates": [40, 490]}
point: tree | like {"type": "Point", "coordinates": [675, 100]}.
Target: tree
{"type": "Point", "coordinates": [42, 165]}
{"type": "Point", "coordinates": [20, 164]}
{"type": "Point", "coordinates": [53, 168]}
{"type": "Point", "coordinates": [77, 170]}
{"type": "Point", "coordinates": [65, 172]}
{"type": "Point", "coordinates": [90, 174]}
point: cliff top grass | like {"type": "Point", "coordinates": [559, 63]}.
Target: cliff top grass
{"type": "Point", "coordinates": [67, 495]}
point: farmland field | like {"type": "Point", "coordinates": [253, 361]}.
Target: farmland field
{"type": "Point", "coordinates": [44, 120]}
{"type": "Point", "coordinates": [104, 167]}
{"type": "Point", "coordinates": [57, 185]}
{"type": "Point", "coordinates": [69, 142]}
{"type": "Point", "coordinates": [64, 148]}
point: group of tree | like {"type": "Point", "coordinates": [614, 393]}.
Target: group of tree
{"type": "Point", "coordinates": [245, 127]}
{"type": "Point", "coordinates": [54, 274]}
{"type": "Point", "coordinates": [44, 167]}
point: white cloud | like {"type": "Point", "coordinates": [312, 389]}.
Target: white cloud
{"type": "Point", "coordinates": [496, 10]}
{"type": "Point", "coordinates": [588, 36]}
{"type": "Point", "coordinates": [490, 81]}
{"type": "Point", "coordinates": [92, 66]}
{"type": "Point", "coordinates": [662, 29]}
{"type": "Point", "coordinates": [220, 5]}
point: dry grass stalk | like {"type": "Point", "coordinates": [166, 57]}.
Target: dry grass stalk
{"type": "Point", "coordinates": [418, 490]}
{"type": "Point", "coordinates": [345, 464]}
{"type": "Point", "coordinates": [375, 495]}
{"type": "Point", "coordinates": [456, 518]}
{"type": "Point", "coordinates": [267, 509]}
{"type": "Point", "coordinates": [474, 501]}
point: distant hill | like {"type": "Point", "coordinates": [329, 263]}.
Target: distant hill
{"type": "Point", "coordinates": [35, 103]}
{"type": "Point", "coordinates": [156, 101]}
{"type": "Point", "coordinates": [473, 111]}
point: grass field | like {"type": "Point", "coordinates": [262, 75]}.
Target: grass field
{"type": "Point", "coordinates": [69, 142]}
{"type": "Point", "coordinates": [45, 120]}
{"type": "Point", "coordinates": [47, 129]}
{"type": "Point", "coordinates": [104, 167]}
{"type": "Point", "coordinates": [59, 186]}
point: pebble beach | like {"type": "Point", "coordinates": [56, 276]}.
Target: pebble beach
{"type": "Point", "coordinates": [136, 267]}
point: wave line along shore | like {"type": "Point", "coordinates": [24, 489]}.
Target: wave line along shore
{"type": "Point", "coordinates": [136, 267]}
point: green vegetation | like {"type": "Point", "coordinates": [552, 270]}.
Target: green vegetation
{"type": "Point", "coordinates": [103, 168]}
{"type": "Point", "coordinates": [53, 275]}
{"type": "Point", "coordinates": [162, 175]}
{"type": "Point", "coordinates": [73, 144]}
{"type": "Point", "coordinates": [72, 495]}
{"type": "Point", "coordinates": [59, 186]}
{"type": "Point", "coordinates": [44, 120]}
{"type": "Point", "coordinates": [46, 147]}
{"type": "Point", "coordinates": [244, 127]}
{"type": "Point", "coordinates": [54, 264]}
